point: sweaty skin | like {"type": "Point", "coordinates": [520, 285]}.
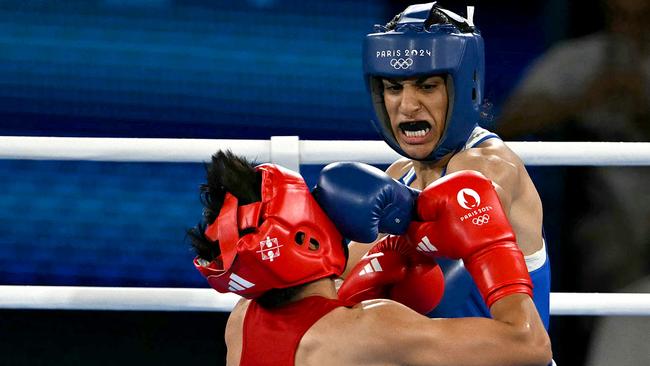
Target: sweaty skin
{"type": "Point", "coordinates": [384, 332]}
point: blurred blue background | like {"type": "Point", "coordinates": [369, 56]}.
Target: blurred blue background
{"type": "Point", "coordinates": [201, 69]}
{"type": "Point", "coordinates": [190, 69]}
{"type": "Point", "coordinates": [185, 68]}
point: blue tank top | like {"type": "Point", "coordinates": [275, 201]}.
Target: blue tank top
{"type": "Point", "coordinates": [462, 298]}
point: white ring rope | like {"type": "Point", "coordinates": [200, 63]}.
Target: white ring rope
{"type": "Point", "coordinates": [297, 151]}
{"type": "Point", "coordinates": [114, 298]}
{"type": "Point", "coordinates": [291, 152]}
{"type": "Point", "coordinates": [191, 299]}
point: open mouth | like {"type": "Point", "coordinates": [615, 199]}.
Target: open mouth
{"type": "Point", "coordinates": [415, 128]}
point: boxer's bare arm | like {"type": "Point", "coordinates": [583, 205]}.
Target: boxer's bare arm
{"type": "Point", "coordinates": [383, 332]}
{"type": "Point", "coordinates": [233, 333]}
{"type": "Point", "coordinates": [497, 167]}
{"type": "Point", "coordinates": [518, 195]}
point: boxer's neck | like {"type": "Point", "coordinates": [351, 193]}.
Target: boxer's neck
{"type": "Point", "coordinates": [323, 287]}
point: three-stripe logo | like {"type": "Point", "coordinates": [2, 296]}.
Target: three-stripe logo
{"type": "Point", "coordinates": [372, 266]}
{"type": "Point", "coordinates": [237, 283]}
{"type": "Point", "coordinates": [425, 246]}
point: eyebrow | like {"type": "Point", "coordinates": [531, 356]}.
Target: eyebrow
{"type": "Point", "coordinates": [392, 81]}
{"type": "Point", "coordinates": [419, 81]}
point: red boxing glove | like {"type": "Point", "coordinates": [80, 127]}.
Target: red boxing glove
{"type": "Point", "coordinates": [463, 219]}
{"type": "Point", "coordinates": [393, 269]}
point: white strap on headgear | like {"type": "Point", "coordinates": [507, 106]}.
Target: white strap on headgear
{"type": "Point", "coordinates": [470, 16]}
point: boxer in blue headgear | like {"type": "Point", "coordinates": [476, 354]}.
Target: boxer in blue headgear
{"type": "Point", "coordinates": [423, 41]}
{"type": "Point", "coordinates": [425, 73]}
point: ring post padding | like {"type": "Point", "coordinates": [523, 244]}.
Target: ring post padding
{"type": "Point", "coordinates": [285, 151]}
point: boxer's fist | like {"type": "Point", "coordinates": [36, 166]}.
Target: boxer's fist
{"type": "Point", "coordinates": [363, 201]}
{"type": "Point", "coordinates": [461, 217]}
{"type": "Point", "coordinates": [393, 270]}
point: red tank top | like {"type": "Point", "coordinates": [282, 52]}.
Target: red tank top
{"type": "Point", "coordinates": [271, 336]}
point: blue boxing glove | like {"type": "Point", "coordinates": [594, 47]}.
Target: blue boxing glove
{"type": "Point", "coordinates": [363, 201]}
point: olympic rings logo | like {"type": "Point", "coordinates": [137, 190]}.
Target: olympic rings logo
{"type": "Point", "coordinates": [401, 63]}
{"type": "Point", "coordinates": [481, 220]}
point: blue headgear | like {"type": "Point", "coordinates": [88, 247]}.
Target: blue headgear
{"type": "Point", "coordinates": [426, 39]}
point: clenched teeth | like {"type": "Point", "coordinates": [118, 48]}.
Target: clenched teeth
{"type": "Point", "coordinates": [419, 133]}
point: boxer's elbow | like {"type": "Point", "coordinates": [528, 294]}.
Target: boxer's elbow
{"type": "Point", "coordinates": [545, 351]}
{"type": "Point", "coordinates": [535, 342]}
{"type": "Point", "coordinates": [527, 332]}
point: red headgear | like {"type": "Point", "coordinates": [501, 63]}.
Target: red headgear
{"type": "Point", "coordinates": [294, 242]}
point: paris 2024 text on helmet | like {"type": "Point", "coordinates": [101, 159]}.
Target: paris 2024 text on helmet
{"type": "Point", "coordinates": [424, 40]}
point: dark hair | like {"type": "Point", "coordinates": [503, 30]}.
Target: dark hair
{"type": "Point", "coordinates": [436, 16]}
{"type": "Point", "coordinates": [226, 173]}
{"type": "Point", "coordinates": [236, 175]}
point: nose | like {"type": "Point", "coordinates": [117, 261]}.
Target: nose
{"type": "Point", "coordinates": [409, 104]}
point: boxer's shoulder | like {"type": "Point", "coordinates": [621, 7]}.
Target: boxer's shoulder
{"type": "Point", "coordinates": [491, 149]}
{"type": "Point", "coordinates": [234, 330]}
{"type": "Point", "coordinates": [356, 335]}
{"type": "Point", "coordinates": [493, 159]}
{"type": "Point", "coordinates": [237, 315]}
{"type": "Point", "coordinates": [399, 168]}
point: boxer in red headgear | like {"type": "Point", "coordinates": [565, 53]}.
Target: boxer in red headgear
{"type": "Point", "coordinates": [290, 241]}
{"type": "Point", "coordinates": [266, 238]}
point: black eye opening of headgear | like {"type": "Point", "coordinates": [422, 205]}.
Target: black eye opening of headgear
{"type": "Point", "coordinates": [436, 16]}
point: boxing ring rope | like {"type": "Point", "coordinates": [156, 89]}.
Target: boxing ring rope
{"type": "Point", "coordinates": [188, 299]}
{"type": "Point", "coordinates": [290, 152]}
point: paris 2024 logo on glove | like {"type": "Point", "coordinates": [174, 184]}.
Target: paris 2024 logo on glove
{"type": "Point", "coordinates": [469, 199]}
